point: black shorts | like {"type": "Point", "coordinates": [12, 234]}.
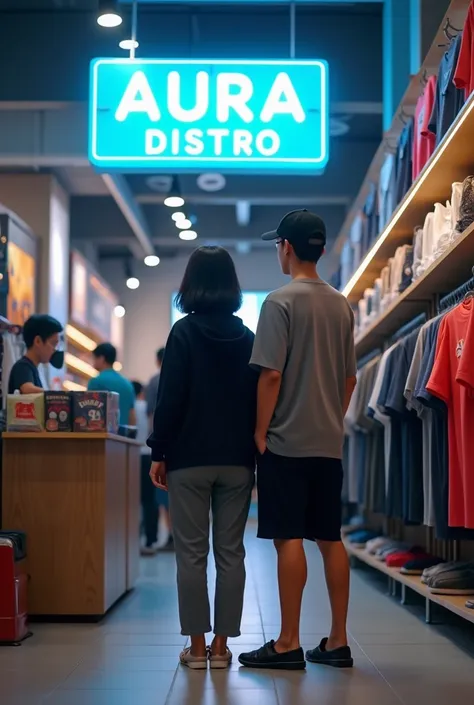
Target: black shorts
{"type": "Point", "coordinates": [299, 498]}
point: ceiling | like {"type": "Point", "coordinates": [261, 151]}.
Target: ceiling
{"type": "Point", "coordinates": [243, 206]}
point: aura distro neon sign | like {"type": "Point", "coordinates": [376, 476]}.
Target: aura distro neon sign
{"type": "Point", "coordinates": [192, 115]}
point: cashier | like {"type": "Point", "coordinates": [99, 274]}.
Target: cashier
{"type": "Point", "coordinates": [42, 336]}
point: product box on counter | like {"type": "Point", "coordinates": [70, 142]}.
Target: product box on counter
{"type": "Point", "coordinates": [25, 412]}
{"type": "Point", "coordinates": [95, 411]}
{"type": "Point", "coordinates": [58, 411]}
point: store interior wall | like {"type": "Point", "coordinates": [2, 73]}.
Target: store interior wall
{"type": "Point", "coordinates": [148, 308]}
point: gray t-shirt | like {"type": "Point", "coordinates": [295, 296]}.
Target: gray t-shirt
{"type": "Point", "coordinates": [306, 332]}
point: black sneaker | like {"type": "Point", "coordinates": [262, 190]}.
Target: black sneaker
{"type": "Point", "coordinates": [267, 657]}
{"type": "Point", "coordinates": [339, 658]}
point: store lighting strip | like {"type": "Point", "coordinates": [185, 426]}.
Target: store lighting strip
{"type": "Point", "coordinates": [80, 338]}
{"type": "Point", "coordinates": [407, 202]}
{"type": "Point", "coordinates": [79, 365]}
{"type": "Point", "coordinates": [71, 386]}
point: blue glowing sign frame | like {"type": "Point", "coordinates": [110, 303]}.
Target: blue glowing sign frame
{"type": "Point", "coordinates": [306, 145]}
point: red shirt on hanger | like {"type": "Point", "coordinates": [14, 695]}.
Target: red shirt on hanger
{"type": "Point", "coordinates": [452, 380]}
{"type": "Point", "coordinates": [424, 141]}
{"type": "Point", "coordinates": [464, 76]}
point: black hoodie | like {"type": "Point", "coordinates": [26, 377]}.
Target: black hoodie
{"type": "Point", "coordinates": [206, 405]}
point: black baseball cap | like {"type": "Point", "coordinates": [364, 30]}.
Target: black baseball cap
{"type": "Point", "coordinates": [300, 227]}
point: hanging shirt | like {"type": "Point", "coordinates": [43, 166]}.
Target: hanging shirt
{"type": "Point", "coordinates": [404, 162]}
{"type": "Point", "coordinates": [449, 99]}
{"type": "Point", "coordinates": [386, 196]}
{"type": "Point", "coordinates": [452, 381]}
{"type": "Point", "coordinates": [424, 140]}
{"type": "Point", "coordinates": [464, 75]}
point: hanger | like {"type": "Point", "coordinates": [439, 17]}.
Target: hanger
{"type": "Point", "coordinates": [470, 292]}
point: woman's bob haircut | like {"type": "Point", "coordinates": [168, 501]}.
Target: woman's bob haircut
{"type": "Point", "coordinates": [210, 283]}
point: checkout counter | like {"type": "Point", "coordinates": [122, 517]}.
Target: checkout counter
{"type": "Point", "coordinates": [77, 498]}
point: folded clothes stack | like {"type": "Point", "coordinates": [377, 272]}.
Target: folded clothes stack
{"type": "Point", "coordinates": [454, 578]}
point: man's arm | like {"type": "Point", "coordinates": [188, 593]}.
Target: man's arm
{"type": "Point", "coordinates": [349, 391]}
{"type": "Point", "coordinates": [269, 358]}
{"type": "Point", "coordinates": [269, 385]}
{"type": "Point", "coordinates": [132, 417]}
{"type": "Point", "coordinates": [30, 388]}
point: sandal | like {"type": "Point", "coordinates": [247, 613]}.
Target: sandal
{"type": "Point", "coordinates": [197, 663]}
{"type": "Point", "coordinates": [220, 660]}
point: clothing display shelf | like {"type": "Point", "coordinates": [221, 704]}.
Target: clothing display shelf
{"type": "Point", "coordinates": [455, 604]}
{"type": "Point", "coordinates": [455, 16]}
{"type": "Point", "coordinates": [451, 162]}
{"type": "Point", "coordinates": [442, 276]}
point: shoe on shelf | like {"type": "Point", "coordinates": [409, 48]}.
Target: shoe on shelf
{"type": "Point", "coordinates": [444, 568]}
{"type": "Point", "coordinates": [399, 558]}
{"type": "Point", "coordinates": [196, 663]}
{"type": "Point", "coordinates": [453, 583]}
{"type": "Point", "coordinates": [418, 564]}
{"type": "Point", "coordinates": [377, 544]}
{"type": "Point", "coordinates": [220, 661]}
{"type": "Point", "coordinates": [338, 658]}
{"type": "Point", "coordinates": [268, 657]}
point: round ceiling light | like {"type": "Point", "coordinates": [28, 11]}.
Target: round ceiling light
{"type": "Point", "coordinates": [133, 283]}
{"type": "Point", "coordinates": [129, 44]}
{"type": "Point", "coordinates": [211, 182]}
{"type": "Point", "coordinates": [178, 216]}
{"type": "Point", "coordinates": [184, 224]}
{"type": "Point", "coordinates": [109, 15]}
{"type": "Point", "coordinates": [160, 183]}
{"type": "Point", "coordinates": [119, 311]}
{"type": "Point", "coordinates": [152, 260]}
{"type": "Point", "coordinates": [174, 201]}
{"type": "Point", "coordinates": [188, 235]}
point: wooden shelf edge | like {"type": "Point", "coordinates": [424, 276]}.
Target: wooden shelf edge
{"type": "Point", "coordinates": [452, 603]}
{"type": "Point", "coordinates": [425, 286]}
{"type": "Point", "coordinates": [457, 11]}
{"type": "Point", "coordinates": [69, 436]}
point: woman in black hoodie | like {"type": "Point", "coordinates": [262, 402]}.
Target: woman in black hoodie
{"type": "Point", "coordinates": [203, 450]}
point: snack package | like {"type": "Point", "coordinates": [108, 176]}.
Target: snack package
{"type": "Point", "coordinates": [95, 411]}
{"type": "Point", "coordinates": [58, 411]}
{"type": "Point", "coordinates": [25, 412]}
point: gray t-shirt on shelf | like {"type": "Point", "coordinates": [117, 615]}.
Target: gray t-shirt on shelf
{"type": "Point", "coordinates": [306, 332]}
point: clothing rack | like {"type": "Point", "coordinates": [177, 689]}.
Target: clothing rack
{"type": "Point", "coordinates": [409, 327]}
{"type": "Point", "coordinates": [368, 358]}
{"type": "Point", "coordinates": [456, 296]}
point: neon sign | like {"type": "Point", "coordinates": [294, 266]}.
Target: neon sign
{"type": "Point", "coordinates": [193, 115]}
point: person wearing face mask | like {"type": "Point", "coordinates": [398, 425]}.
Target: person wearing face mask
{"type": "Point", "coordinates": [42, 335]}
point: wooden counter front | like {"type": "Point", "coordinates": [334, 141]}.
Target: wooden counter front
{"type": "Point", "coordinates": [77, 498]}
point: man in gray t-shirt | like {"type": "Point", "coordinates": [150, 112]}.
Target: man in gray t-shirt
{"type": "Point", "coordinates": [304, 351]}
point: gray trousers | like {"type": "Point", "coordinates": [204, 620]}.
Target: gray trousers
{"type": "Point", "coordinates": [193, 493]}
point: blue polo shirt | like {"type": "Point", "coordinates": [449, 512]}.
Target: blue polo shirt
{"type": "Point", "coordinates": [112, 381]}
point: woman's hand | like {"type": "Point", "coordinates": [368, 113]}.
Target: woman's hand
{"type": "Point", "coordinates": [158, 475]}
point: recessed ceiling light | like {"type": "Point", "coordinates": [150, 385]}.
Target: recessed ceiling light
{"type": "Point", "coordinates": [109, 15]}
{"type": "Point", "coordinates": [119, 311]}
{"type": "Point", "coordinates": [183, 224]}
{"type": "Point", "coordinates": [188, 235]}
{"type": "Point", "coordinates": [174, 201]}
{"type": "Point", "coordinates": [177, 216]}
{"type": "Point", "coordinates": [152, 260]}
{"type": "Point", "coordinates": [133, 283]}
{"type": "Point", "coordinates": [129, 44]}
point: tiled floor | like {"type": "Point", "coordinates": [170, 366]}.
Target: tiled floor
{"type": "Point", "coordinates": [132, 657]}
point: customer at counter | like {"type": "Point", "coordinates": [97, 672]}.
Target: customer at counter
{"type": "Point", "coordinates": [41, 334]}
{"type": "Point", "coordinates": [109, 380]}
